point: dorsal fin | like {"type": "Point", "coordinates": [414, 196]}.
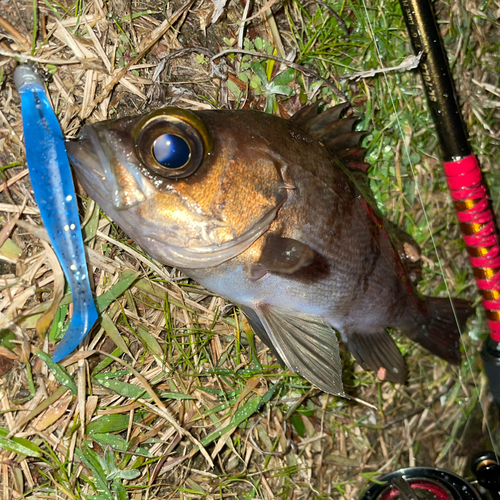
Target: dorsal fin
{"type": "Point", "coordinates": [408, 249]}
{"type": "Point", "coordinates": [334, 129]}
{"type": "Point", "coordinates": [337, 128]}
{"type": "Point", "coordinates": [316, 125]}
{"type": "Point", "coordinates": [352, 155]}
{"type": "Point", "coordinates": [345, 141]}
{"type": "Point", "coordinates": [303, 115]}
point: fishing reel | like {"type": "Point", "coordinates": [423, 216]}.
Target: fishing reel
{"type": "Point", "coordinates": [427, 483]}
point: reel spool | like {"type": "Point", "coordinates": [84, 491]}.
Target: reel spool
{"type": "Point", "coordinates": [422, 483]}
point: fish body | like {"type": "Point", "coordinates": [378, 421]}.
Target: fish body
{"type": "Point", "coordinates": [276, 216]}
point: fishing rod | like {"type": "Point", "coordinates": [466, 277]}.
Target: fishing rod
{"type": "Point", "coordinates": [477, 224]}
{"type": "Point", "coordinates": [468, 190]}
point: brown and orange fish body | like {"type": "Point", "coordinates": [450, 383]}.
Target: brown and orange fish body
{"type": "Point", "coordinates": [274, 215]}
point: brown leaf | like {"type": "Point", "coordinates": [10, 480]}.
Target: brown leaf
{"type": "Point", "coordinates": [6, 364]}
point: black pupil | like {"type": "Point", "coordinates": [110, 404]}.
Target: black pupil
{"type": "Point", "coordinates": [171, 151]}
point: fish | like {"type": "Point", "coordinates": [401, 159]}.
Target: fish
{"type": "Point", "coordinates": [275, 215]}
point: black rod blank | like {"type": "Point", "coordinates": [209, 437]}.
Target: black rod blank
{"type": "Point", "coordinates": [435, 71]}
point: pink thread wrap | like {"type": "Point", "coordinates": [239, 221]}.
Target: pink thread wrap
{"type": "Point", "coordinates": [479, 233]}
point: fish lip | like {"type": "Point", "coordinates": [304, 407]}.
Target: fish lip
{"type": "Point", "coordinates": [91, 154]}
{"type": "Point", "coordinates": [83, 158]}
{"type": "Point", "coordinates": [86, 166]}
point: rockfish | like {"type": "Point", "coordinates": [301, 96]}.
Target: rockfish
{"type": "Point", "coordinates": [276, 216]}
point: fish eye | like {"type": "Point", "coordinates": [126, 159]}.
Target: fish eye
{"type": "Point", "coordinates": [171, 151]}
{"type": "Point", "coordinates": [172, 142]}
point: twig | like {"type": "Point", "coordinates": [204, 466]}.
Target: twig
{"type": "Point", "coordinates": [161, 409]}
{"type": "Point", "coordinates": [269, 453]}
{"type": "Point", "coordinates": [421, 409]}
{"type": "Point", "coordinates": [244, 20]}
{"type": "Point", "coordinates": [177, 53]}
{"type": "Point", "coordinates": [23, 59]}
{"type": "Point", "coordinates": [410, 62]}
{"type": "Point", "coordinates": [14, 33]}
{"type": "Point", "coordinates": [268, 5]}
{"type": "Point", "coordinates": [13, 180]}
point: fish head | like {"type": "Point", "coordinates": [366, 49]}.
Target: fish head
{"type": "Point", "coordinates": [193, 189]}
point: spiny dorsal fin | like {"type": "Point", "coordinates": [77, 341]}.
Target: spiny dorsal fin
{"type": "Point", "coordinates": [317, 124]}
{"type": "Point", "coordinates": [344, 141]}
{"type": "Point", "coordinates": [337, 128]}
{"type": "Point", "coordinates": [334, 129]}
{"type": "Point", "coordinates": [306, 113]}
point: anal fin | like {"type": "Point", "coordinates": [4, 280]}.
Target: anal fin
{"type": "Point", "coordinates": [307, 344]}
{"type": "Point", "coordinates": [378, 352]}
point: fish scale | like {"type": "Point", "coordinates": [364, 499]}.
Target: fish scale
{"type": "Point", "coordinates": [305, 252]}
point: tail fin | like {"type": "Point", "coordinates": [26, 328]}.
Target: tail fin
{"type": "Point", "coordinates": [440, 333]}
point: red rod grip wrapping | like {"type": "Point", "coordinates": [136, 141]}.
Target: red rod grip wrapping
{"type": "Point", "coordinates": [478, 230]}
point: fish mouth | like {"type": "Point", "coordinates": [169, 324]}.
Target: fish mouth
{"type": "Point", "coordinates": [88, 168]}
{"type": "Point", "coordinates": [92, 151]}
{"type": "Point", "coordinates": [212, 255]}
{"type": "Point", "coordinates": [102, 173]}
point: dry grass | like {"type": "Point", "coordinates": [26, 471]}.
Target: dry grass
{"type": "Point", "coordinates": [177, 342]}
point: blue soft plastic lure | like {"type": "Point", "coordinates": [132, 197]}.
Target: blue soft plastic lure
{"type": "Point", "coordinates": [52, 183]}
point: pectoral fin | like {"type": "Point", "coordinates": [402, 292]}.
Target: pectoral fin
{"type": "Point", "coordinates": [307, 345]}
{"type": "Point", "coordinates": [378, 352]}
{"type": "Point", "coordinates": [285, 255]}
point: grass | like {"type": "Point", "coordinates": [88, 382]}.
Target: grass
{"type": "Point", "coordinates": [170, 398]}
